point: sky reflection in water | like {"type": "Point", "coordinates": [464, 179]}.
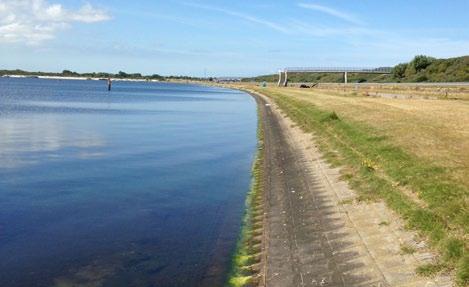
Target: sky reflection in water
{"type": "Point", "coordinates": [140, 186]}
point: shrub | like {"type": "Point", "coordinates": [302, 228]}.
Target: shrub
{"type": "Point", "coordinates": [398, 71]}
{"type": "Point", "coordinates": [421, 62]}
{"type": "Point", "coordinates": [421, 78]}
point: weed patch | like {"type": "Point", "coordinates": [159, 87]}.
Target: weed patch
{"type": "Point", "coordinates": [330, 117]}
{"type": "Point", "coordinates": [430, 269]}
{"type": "Point", "coordinates": [407, 249]}
{"type": "Point", "coordinates": [245, 261]}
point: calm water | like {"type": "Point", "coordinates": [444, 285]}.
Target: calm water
{"type": "Point", "coordinates": [143, 186]}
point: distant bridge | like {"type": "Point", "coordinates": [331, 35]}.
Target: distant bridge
{"type": "Point", "coordinates": [283, 74]}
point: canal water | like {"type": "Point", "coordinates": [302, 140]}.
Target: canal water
{"type": "Point", "coordinates": [141, 186]}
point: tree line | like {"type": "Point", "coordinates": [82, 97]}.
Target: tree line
{"type": "Point", "coordinates": [98, 75]}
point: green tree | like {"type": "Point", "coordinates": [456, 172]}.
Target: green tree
{"type": "Point", "coordinates": [122, 74]}
{"type": "Point", "coordinates": [421, 62]}
{"type": "Point", "coordinates": [398, 71]}
{"type": "Point", "coordinates": [135, 75]}
{"type": "Point", "coordinates": [156, 77]}
{"type": "Point", "coordinates": [69, 73]}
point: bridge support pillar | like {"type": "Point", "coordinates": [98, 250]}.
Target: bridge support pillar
{"type": "Point", "coordinates": [345, 78]}
{"type": "Point", "coordinates": [279, 78]}
{"type": "Point", "coordinates": [285, 82]}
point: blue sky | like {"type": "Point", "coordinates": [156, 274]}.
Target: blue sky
{"type": "Point", "coordinates": [225, 38]}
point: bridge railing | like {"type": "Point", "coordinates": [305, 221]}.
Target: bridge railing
{"type": "Point", "coordinates": [283, 74]}
{"type": "Point", "coordinates": [382, 70]}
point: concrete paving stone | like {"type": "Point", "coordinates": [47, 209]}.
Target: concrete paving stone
{"type": "Point", "coordinates": [392, 262]}
{"type": "Point", "coordinates": [425, 257]}
{"type": "Point", "coordinates": [398, 276]}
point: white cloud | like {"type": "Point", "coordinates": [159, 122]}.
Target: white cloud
{"type": "Point", "coordinates": [332, 12]}
{"type": "Point", "coordinates": [88, 14]}
{"type": "Point", "coordinates": [34, 21]}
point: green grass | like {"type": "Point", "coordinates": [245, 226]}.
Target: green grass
{"type": "Point", "coordinates": [346, 201]}
{"type": "Point", "coordinates": [430, 269]}
{"type": "Point", "coordinates": [407, 249]}
{"type": "Point", "coordinates": [462, 274]}
{"type": "Point", "coordinates": [248, 251]}
{"type": "Point", "coordinates": [381, 169]}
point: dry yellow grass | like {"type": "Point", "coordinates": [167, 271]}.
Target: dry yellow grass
{"type": "Point", "coordinates": [435, 130]}
{"type": "Point", "coordinates": [432, 91]}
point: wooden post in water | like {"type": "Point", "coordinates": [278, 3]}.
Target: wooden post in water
{"type": "Point", "coordinates": [109, 84]}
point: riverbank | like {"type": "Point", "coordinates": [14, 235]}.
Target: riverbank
{"type": "Point", "coordinates": [318, 230]}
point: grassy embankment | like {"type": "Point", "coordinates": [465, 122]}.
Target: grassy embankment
{"type": "Point", "coordinates": [245, 266]}
{"type": "Point", "coordinates": [413, 154]}
{"type": "Point", "coordinates": [420, 69]}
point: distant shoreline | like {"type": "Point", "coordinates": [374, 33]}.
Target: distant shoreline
{"type": "Point", "coordinates": [114, 79]}
{"type": "Point", "coordinates": [78, 78]}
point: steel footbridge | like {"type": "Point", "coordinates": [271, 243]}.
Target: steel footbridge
{"type": "Point", "coordinates": [283, 74]}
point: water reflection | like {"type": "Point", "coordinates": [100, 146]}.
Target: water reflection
{"type": "Point", "coordinates": [22, 137]}
{"type": "Point", "coordinates": [143, 186]}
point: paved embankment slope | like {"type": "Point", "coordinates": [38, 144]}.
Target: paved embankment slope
{"type": "Point", "coordinates": [315, 233]}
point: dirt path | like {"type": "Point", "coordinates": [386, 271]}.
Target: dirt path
{"type": "Point", "coordinates": [315, 234]}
